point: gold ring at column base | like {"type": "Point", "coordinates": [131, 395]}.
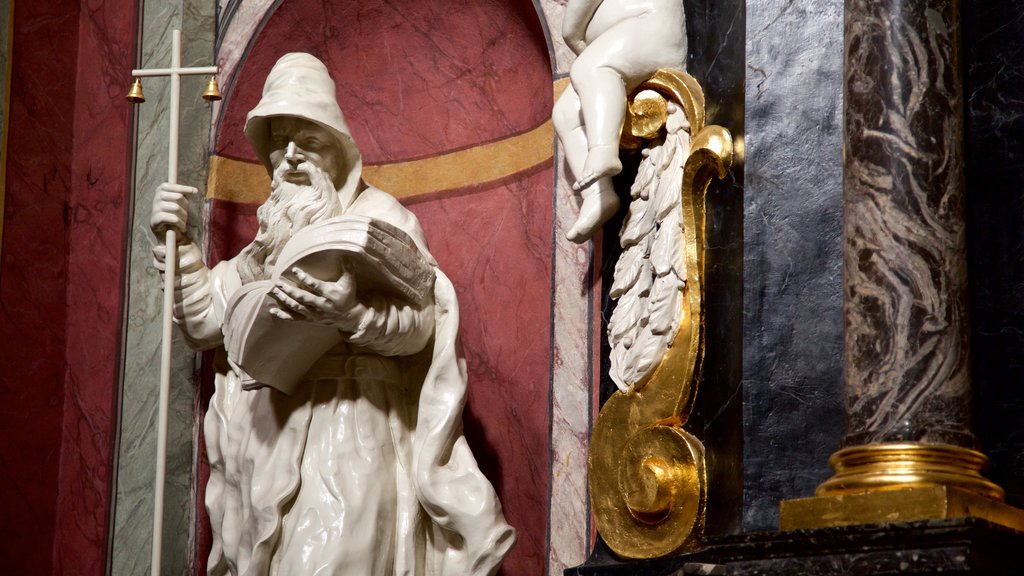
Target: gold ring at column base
{"type": "Point", "coordinates": [901, 482]}
{"type": "Point", "coordinates": [895, 505]}
{"type": "Point", "coordinates": [893, 466]}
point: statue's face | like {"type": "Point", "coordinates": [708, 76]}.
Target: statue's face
{"type": "Point", "coordinates": [296, 141]}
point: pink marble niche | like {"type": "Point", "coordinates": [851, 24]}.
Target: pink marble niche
{"type": "Point", "coordinates": [504, 288]}
{"type": "Point", "coordinates": [417, 80]}
{"type": "Point", "coordinates": [60, 281]}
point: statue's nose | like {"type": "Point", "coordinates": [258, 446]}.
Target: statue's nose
{"type": "Point", "coordinates": [293, 155]}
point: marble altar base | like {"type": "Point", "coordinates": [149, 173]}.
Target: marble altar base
{"type": "Point", "coordinates": [953, 546]}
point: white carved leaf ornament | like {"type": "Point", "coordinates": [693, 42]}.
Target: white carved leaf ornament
{"type": "Point", "coordinates": [650, 274]}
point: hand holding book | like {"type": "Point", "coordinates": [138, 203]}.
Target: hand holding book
{"type": "Point", "coordinates": [327, 303]}
{"type": "Point", "coordinates": [276, 329]}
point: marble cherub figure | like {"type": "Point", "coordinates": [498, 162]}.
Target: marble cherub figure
{"type": "Point", "coordinates": [358, 465]}
{"type": "Point", "coordinates": [619, 44]}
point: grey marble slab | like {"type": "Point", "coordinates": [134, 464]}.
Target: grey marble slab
{"type": "Point", "coordinates": [133, 505]}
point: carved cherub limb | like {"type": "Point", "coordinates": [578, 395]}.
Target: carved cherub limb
{"type": "Point", "coordinates": [620, 43]}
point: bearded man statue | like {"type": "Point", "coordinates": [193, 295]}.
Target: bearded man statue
{"type": "Point", "coordinates": [362, 469]}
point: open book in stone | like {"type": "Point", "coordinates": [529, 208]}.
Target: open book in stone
{"type": "Point", "coordinates": [383, 260]}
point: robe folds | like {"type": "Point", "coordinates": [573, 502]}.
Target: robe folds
{"type": "Point", "coordinates": [364, 469]}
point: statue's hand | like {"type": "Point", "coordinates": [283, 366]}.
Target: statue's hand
{"type": "Point", "coordinates": [170, 209]}
{"type": "Point", "coordinates": [328, 303]}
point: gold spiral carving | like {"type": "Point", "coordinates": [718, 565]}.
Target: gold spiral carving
{"type": "Point", "coordinates": [648, 480]}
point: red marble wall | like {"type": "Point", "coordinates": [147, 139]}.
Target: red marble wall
{"type": "Point", "coordinates": [101, 171]}
{"type": "Point", "coordinates": [415, 80]}
{"type": "Point", "coordinates": [33, 279]}
{"type": "Point", "coordinates": [60, 281]}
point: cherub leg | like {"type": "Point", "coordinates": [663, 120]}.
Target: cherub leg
{"type": "Point", "coordinates": [568, 121]}
{"type": "Point", "coordinates": [602, 94]}
{"type": "Point", "coordinates": [599, 204]}
{"type": "Point", "coordinates": [599, 199]}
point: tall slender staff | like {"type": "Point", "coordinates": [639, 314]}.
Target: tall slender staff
{"type": "Point", "coordinates": [171, 242]}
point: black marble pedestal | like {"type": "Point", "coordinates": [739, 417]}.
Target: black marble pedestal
{"type": "Point", "coordinates": [963, 546]}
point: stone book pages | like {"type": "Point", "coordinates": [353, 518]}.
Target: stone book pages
{"type": "Point", "coordinates": [278, 353]}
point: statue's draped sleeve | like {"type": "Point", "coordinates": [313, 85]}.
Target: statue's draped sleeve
{"type": "Point", "coordinates": [198, 304]}
{"type": "Point", "coordinates": [393, 328]}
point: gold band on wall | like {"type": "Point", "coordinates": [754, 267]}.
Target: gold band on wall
{"type": "Point", "coordinates": [248, 182]}
{"type": "Point", "coordinates": [648, 480]}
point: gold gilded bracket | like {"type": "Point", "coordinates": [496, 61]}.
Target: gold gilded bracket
{"type": "Point", "coordinates": [648, 480]}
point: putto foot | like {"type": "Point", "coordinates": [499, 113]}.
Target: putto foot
{"type": "Point", "coordinates": [602, 162]}
{"type": "Point", "coordinates": [596, 209]}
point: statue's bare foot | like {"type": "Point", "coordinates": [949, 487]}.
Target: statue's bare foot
{"type": "Point", "coordinates": [602, 161]}
{"type": "Point", "coordinates": [596, 209]}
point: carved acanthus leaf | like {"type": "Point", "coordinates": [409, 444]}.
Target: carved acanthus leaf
{"type": "Point", "coordinates": [650, 274]}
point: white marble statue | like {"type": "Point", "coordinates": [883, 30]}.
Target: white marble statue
{"type": "Point", "coordinates": [619, 44]}
{"type": "Point", "coordinates": [358, 466]}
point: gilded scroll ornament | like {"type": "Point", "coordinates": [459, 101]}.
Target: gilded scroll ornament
{"type": "Point", "coordinates": [648, 478]}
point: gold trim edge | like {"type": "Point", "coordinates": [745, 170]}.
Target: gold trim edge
{"type": "Point", "coordinates": [895, 505]}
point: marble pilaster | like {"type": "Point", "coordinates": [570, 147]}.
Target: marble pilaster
{"type": "Point", "coordinates": [906, 355]}
{"type": "Point", "coordinates": [573, 395]}
{"type": "Point", "coordinates": [133, 508]}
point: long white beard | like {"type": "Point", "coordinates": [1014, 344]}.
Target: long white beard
{"type": "Point", "coordinates": [289, 208]}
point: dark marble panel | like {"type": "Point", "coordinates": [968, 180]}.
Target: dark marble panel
{"type": "Point", "coordinates": [994, 152]}
{"type": "Point", "coordinates": [792, 296]}
{"type": "Point", "coordinates": [716, 31]}
{"type": "Point", "coordinates": [949, 547]}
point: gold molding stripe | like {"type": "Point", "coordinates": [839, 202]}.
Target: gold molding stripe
{"type": "Point", "coordinates": [246, 182]}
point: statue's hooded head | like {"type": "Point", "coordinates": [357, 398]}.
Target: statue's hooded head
{"type": "Point", "coordinates": [299, 86]}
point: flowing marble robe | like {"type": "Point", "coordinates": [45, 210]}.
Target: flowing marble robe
{"type": "Point", "coordinates": [364, 469]}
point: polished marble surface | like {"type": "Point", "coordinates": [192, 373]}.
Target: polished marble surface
{"type": "Point", "coordinates": [994, 147]}
{"type": "Point", "coordinates": [33, 283]}
{"type": "Point", "coordinates": [60, 282]}
{"type": "Point", "coordinates": [792, 298]}
{"type": "Point", "coordinates": [575, 344]}
{"type": "Point", "coordinates": [96, 237]}
{"type": "Point", "coordinates": [133, 509]}
{"type": "Point", "coordinates": [906, 368]}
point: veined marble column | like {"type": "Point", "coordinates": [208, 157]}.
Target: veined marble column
{"type": "Point", "coordinates": [909, 452]}
{"type": "Point", "coordinates": [907, 374]}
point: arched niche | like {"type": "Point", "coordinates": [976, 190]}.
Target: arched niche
{"type": "Point", "coordinates": [438, 86]}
